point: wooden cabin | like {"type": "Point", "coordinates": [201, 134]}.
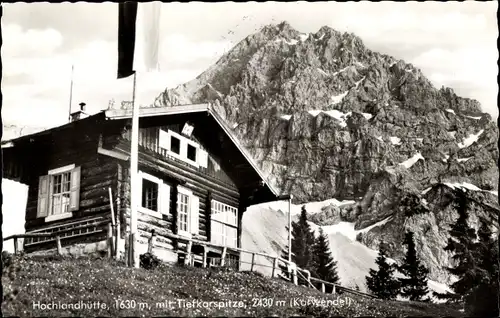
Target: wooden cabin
{"type": "Point", "coordinates": [196, 179]}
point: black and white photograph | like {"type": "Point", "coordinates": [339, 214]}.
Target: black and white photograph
{"type": "Point", "coordinates": [250, 159]}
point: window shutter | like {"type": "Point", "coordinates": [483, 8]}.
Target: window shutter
{"type": "Point", "coordinates": [194, 214]}
{"type": "Point", "coordinates": [164, 139]}
{"type": "Point", "coordinates": [202, 158]}
{"type": "Point", "coordinates": [164, 198]}
{"type": "Point", "coordinates": [43, 197]}
{"type": "Point", "coordinates": [74, 198]}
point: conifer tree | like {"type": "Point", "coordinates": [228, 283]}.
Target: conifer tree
{"type": "Point", "coordinates": [382, 282]}
{"type": "Point", "coordinates": [325, 267]}
{"type": "Point", "coordinates": [302, 243]}
{"type": "Point", "coordinates": [483, 299]}
{"type": "Point", "coordinates": [461, 244]}
{"type": "Point", "coordinates": [414, 286]}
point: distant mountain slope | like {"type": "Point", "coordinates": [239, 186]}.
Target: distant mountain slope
{"type": "Point", "coordinates": [264, 231]}
{"type": "Point", "coordinates": [326, 117]}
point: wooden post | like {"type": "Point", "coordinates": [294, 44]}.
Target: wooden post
{"type": "Point", "coordinates": [205, 254]}
{"type": "Point", "coordinates": [275, 265]}
{"type": "Point", "coordinates": [223, 257]}
{"type": "Point", "coordinates": [253, 260]}
{"type": "Point", "coordinates": [333, 289]}
{"type": "Point", "coordinates": [290, 229]}
{"type": "Point", "coordinates": [295, 280]}
{"type": "Point", "coordinates": [187, 260]}
{"type": "Point", "coordinates": [59, 247]}
{"type": "Point", "coordinates": [151, 242]}
{"type": "Point", "coordinates": [110, 240]}
{"type": "Point", "coordinates": [308, 277]}
{"type": "Point", "coordinates": [16, 245]}
{"type": "Point", "coordinates": [322, 287]}
{"type": "Point", "coordinates": [134, 179]}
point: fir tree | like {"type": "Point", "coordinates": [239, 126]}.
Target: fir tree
{"type": "Point", "coordinates": [414, 286]}
{"type": "Point", "coordinates": [381, 282]}
{"type": "Point", "coordinates": [302, 243]}
{"type": "Point", "coordinates": [461, 244]}
{"type": "Point", "coordinates": [482, 300]}
{"type": "Point", "coordinates": [325, 267]}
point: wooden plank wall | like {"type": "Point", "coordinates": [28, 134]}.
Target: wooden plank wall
{"type": "Point", "coordinates": [98, 173]}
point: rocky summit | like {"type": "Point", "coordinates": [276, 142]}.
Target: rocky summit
{"type": "Point", "coordinates": [326, 117]}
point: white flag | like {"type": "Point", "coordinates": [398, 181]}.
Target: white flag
{"type": "Point", "coordinates": [146, 58]}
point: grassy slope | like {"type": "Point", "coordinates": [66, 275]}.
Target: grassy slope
{"type": "Point", "coordinates": [68, 280]}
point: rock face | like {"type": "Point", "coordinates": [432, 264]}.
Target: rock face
{"type": "Point", "coordinates": [327, 117]}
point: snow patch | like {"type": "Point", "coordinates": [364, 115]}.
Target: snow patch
{"type": "Point", "coordinates": [367, 116]}
{"type": "Point", "coordinates": [340, 116]}
{"type": "Point", "coordinates": [340, 71]}
{"type": "Point", "coordinates": [470, 140]}
{"type": "Point", "coordinates": [380, 138]}
{"type": "Point", "coordinates": [359, 82]}
{"type": "Point", "coordinates": [314, 112]}
{"type": "Point", "coordinates": [410, 162]}
{"type": "Point", "coordinates": [474, 117]}
{"type": "Point", "coordinates": [338, 98]}
{"type": "Point", "coordinates": [446, 157]}
{"type": "Point", "coordinates": [451, 133]}
{"type": "Point", "coordinates": [426, 190]}
{"type": "Point", "coordinates": [464, 159]}
{"type": "Point", "coordinates": [360, 64]}
{"type": "Point", "coordinates": [420, 139]}
{"type": "Point", "coordinates": [321, 37]}
{"type": "Point", "coordinates": [395, 140]}
{"type": "Point", "coordinates": [450, 111]}
{"type": "Point", "coordinates": [286, 117]}
{"type": "Point", "coordinates": [235, 125]}
{"type": "Point", "coordinates": [463, 185]}
{"type": "Point", "coordinates": [289, 42]}
{"type": "Point", "coordinates": [322, 72]}
{"type": "Point", "coordinates": [304, 37]}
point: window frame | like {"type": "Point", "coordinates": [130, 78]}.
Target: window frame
{"type": "Point", "coordinates": [51, 174]}
{"type": "Point", "coordinates": [189, 194]}
{"type": "Point", "coordinates": [225, 224]}
{"type": "Point", "coordinates": [146, 176]}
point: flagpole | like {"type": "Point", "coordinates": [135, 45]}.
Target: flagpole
{"type": "Point", "coordinates": [134, 179]}
{"type": "Point", "coordinates": [71, 93]}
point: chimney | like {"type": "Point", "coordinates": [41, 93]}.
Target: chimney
{"type": "Point", "coordinates": [80, 114]}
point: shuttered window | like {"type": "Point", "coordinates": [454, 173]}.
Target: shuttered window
{"type": "Point", "coordinates": [224, 224]}
{"type": "Point", "coordinates": [59, 193]}
{"type": "Point", "coordinates": [155, 195]}
{"type": "Point", "coordinates": [183, 148]}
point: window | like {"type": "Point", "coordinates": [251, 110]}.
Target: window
{"type": "Point", "coordinates": [183, 148]}
{"type": "Point", "coordinates": [224, 224]}
{"type": "Point", "coordinates": [175, 145]}
{"type": "Point", "coordinates": [155, 195]}
{"type": "Point", "coordinates": [150, 195]}
{"type": "Point", "coordinates": [191, 153]}
{"type": "Point", "coordinates": [59, 193]}
{"type": "Point", "coordinates": [188, 207]}
{"type": "Point", "coordinates": [183, 211]}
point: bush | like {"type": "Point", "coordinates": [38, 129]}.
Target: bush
{"type": "Point", "coordinates": [149, 261]}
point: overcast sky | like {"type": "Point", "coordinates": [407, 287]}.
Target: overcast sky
{"type": "Point", "coordinates": [453, 43]}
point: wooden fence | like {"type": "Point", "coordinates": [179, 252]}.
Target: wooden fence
{"type": "Point", "coordinates": [56, 236]}
{"type": "Point", "coordinates": [295, 272]}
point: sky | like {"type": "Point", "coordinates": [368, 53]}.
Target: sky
{"type": "Point", "coordinates": [453, 43]}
